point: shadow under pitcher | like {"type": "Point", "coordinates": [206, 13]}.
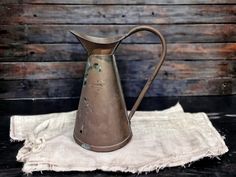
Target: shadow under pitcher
{"type": "Point", "coordinates": [102, 121]}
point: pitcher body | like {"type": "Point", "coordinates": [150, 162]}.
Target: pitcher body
{"type": "Point", "coordinates": [102, 122]}
{"type": "Point", "coordinates": [102, 119]}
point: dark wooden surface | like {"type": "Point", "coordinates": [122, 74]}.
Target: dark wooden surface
{"type": "Point", "coordinates": [220, 109]}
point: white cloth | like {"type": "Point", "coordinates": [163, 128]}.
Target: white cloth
{"type": "Point", "coordinates": [160, 139]}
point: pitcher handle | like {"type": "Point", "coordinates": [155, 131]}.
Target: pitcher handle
{"type": "Point", "coordinates": [157, 68]}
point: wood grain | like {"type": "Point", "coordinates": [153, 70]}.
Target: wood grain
{"type": "Point", "coordinates": [110, 14]}
{"type": "Point", "coordinates": [40, 58]}
{"type": "Point", "coordinates": [114, 2]}
{"type": "Point", "coordinates": [75, 52]}
{"type": "Point", "coordinates": [41, 70]}
{"type": "Point", "coordinates": [189, 33]}
{"type": "Point", "coordinates": [140, 69]}
{"type": "Point", "coordinates": [131, 88]}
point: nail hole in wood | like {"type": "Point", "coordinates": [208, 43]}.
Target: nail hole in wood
{"type": "Point", "coordinates": [165, 73]}
{"type": "Point", "coordinates": [3, 32]}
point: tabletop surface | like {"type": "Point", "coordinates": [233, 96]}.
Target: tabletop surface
{"type": "Point", "coordinates": [224, 122]}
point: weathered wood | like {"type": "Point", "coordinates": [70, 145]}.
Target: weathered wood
{"type": "Point", "coordinates": [41, 70]}
{"type": "Point", "coordinates": [75, 52]}
{"type": "Point", "coordinates": [110, 14]}
{"type": "Point", "coordinates": [131, 88]}
{"type": "Point", "coordinates": [114, 2]}
{"type": "Point", "coordinates": [38, 31]}
{"type": "Point", "coordinates": [216, 86]}
{"type": "Point", "coordinates": [140, 69]}
{"type": "Point", "coordinates": [173, 33]}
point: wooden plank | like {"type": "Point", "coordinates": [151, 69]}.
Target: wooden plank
{"type": "Point", "coordinates": [131, 88]}
{"type": "Point", "coordinates": [173, 70]}
{"type": "Point", "coordinates": [12, 34]}
{"type": "Point", "coordinates": [41, 70]}
{"type": "Point", "coordinates": [191, 33]}
{"type": "Point", "coordinates": [211, 86]}
{"type": "Point", "coordinates": [97, 2]}
{"type": "Point", "coordinates": [75, 52]}
{"type": "Point", "coordinates": [110, 14]}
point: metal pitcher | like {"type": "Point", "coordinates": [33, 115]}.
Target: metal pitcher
{"type": "Point", "coordinates": [102, 121]}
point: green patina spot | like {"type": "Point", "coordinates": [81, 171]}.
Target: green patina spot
{"type": "Point", "coordinates": [85, 81]}
{"type": "Point", "coordinates": [86, 146]}
{"type": "Point", "coordinates": [88, 67]}
{"type": "Point", "coordinates": [95, 66]}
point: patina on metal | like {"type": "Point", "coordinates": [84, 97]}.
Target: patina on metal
{"type": "Point", "coordinates": [102, 122]}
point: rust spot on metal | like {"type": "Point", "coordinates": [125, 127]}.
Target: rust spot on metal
{"type": "Point", "coordinates": [99, 83]}
{"type": "Point", "coordinates": [97, 67]}
{"type": "Point", "coordinates": [86, 101]}
{"type": "Point", "coordinates": [87, 105]}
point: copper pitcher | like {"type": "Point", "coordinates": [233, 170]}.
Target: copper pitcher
{"type": "Point", "coordinates": [102, 121]}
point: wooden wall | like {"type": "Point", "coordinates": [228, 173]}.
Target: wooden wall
{"type": "Point", "coordinates": [41, 60]}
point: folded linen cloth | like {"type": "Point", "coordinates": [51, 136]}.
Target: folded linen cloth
{"type": "Point", "coordinates": [160, 139]}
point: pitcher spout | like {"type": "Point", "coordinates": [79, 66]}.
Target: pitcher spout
{"type": "Point", "coordinates": [98, 45]}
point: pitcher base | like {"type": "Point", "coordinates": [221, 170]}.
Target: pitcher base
{"type": "Point", "coordinates": [102, 148]}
